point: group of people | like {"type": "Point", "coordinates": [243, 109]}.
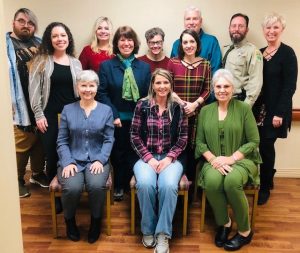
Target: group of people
{"type": "Point", "coordinates": [152, 116]}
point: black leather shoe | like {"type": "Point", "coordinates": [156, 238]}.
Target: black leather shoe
{"type": "Point", "coordinates": [263, 197]}
{"type": "Point", "coordinates": [222, 235]}
{"type": "Point", "coordinates": [94, 230]}
{"type": "Point", "coordinates": [72, 230]}
{"type": "Point", "coordinates": [238, 241]}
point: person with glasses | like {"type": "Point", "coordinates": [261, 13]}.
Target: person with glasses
{"type": "Point", "coordinates": [22, 45]}
{"type": "Point", "coordinates": [227, 139]}
{"type": "Point", "coordinates": [155, 56]}
{"type": "Point", "coordinates": [243, 60]}
{"type": "Point", "coordinates": [100, 48]}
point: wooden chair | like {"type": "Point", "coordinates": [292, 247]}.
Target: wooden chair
{"type": "Point", "coordinates": [249, 190]}
{"type": "Point", "coordinates": [183, 189]}
{"type": "Point", "coordinates": [55, 191]}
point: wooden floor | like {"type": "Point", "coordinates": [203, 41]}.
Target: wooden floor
{"type": "Point", "coordinates": [277, 227]}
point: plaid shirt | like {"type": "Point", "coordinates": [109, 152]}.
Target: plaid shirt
{"type": "Point", "coordinates": [189, 85]}
{"type": "Point", "coordinates": [158, 135]}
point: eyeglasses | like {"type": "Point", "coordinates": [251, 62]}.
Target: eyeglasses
{"type": "Point", "coordinates": [23, 22]}
{"type": "Point", "coordinates": [153, 43]}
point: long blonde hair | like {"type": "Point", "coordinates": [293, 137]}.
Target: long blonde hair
{"type": "Point", "coordinates": [94, 42]}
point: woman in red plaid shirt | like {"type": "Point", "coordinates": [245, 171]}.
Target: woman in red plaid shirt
{"type": "Point", "coordinates": [192, 78]}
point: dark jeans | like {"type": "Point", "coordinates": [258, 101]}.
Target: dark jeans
{"type": "Point", "coordinates": [49, 144]}
{"type": "Point", "coordinates": [267, 170]}
{"type": "Point", "coordinates": [123, 156]}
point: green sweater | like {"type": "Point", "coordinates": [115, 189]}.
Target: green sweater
{"type": "Point", "coordinates": [240, 133]}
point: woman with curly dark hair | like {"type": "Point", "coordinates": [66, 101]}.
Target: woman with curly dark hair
{"type": "Point", "coordinates": [52, 81]}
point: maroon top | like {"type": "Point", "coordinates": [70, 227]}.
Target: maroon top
{"type": "Point", "coordinates": [91, 60]}
{"type": "Point", "coordinates": [155, 64]}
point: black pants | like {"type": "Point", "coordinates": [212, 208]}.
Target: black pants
{"type": "Point", "coordinates": [49, 139]}
{"type": "Point", "coordinates": [267, 170]}
{"type": "Point", "coordinates": [123, 156]}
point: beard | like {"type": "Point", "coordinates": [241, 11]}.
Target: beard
{"type": "Point", "coordinates": [237, 39]}
{"type": "Point", "coordinates": [23, 34]}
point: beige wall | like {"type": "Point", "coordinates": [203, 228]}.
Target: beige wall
{"type": "Point", "coordinates": [10, 232]}
{"type": "Point", "coordinates": [168, 14]}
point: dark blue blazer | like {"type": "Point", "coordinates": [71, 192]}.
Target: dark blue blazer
{"type": "Point", "coordinates": [111, 81]}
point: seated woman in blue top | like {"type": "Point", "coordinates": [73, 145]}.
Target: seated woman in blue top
{"type": "Point", "coordinates": [159, 134]}
{"type": "Point", "coordinates": [124, 79]}
{"type": "Point", "coordinates": [84, 143]}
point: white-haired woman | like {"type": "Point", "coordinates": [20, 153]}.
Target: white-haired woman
{"type": "Point", "coordinates": [159, 135]}
{"type": "Point", "coordinates": [227, 138]}
{"type": "Point", "coordinates": [273, 109]}
{"type": "Point", "coordinates": [100, 48]}
{"type": "Point", "coordinates": [84, 143]}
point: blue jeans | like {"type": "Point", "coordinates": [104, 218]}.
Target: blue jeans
{"type": "Point", "coordinates": [162, 187]}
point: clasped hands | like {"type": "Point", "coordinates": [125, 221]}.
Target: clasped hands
{"type": "Point", "coordinates": [70, 170]}
{"type": "Point", "coordinates": [159, 166]}
{"type": "Point", "coordinates": [223, 164]}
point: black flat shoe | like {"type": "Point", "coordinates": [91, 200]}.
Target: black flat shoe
{"type": "Point", "coordinates": [238, 241]}
{"type": "Point", "coordinates": [72, 230]}
{"type": "Point", "coordinates": [94, 231]}
{"type": "Point", "coordinates": [222, 236]}
{"type": "Point", "coordinates": [263, 197]}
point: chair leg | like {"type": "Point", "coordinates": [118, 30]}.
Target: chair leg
{"type": "Point", "coordinates": [53, 213]}
{"type": "Point", "coordinates": [185, 211]}
{"type": "Point", "coordinates": [132, 220]}
{"type": "Point", "coordinates": [195, 182]}
{"type": "Point", "coordinates": [254, 209]}
{"type": "Point", "coordinates": [203, 207]}
{"type": "Point", "coordinates": [108, 218]}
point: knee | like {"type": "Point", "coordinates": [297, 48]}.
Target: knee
{"type": "Point", "coordinates": [144, 185]}
{"type": "Point", "coordinates": [232, 183]}
{"type": "Point", "coordinates": [72, 188]}
{"type": "Point", "coordinates": [169, 187]}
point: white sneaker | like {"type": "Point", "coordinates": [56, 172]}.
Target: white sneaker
{"type": "Point", "coordinates": [162, 244]}
{"type": "Point", "coordinates": [148, 241]}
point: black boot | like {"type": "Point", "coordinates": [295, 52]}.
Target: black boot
{"type": "Point", "coordinates": [94, 230]}
{"type": "Point", "coordinates": [72, 230]}
{"type": "Point", "coordinates": [222, 236]}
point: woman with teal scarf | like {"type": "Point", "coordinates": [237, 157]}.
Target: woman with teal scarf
{"type": "Point", "coordinates": [227, 138]}
{"type": "Point", "coordinates": [124, 80]}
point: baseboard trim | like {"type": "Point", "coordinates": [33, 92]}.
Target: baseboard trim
{"type": "Point", "coordinates": [288, 172]}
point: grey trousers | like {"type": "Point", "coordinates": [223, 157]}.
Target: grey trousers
{"type": "Point", "coordinates": [72, 187]}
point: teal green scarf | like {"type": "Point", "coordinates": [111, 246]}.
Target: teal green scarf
{"type": "Point", "coordinates": [130, 90]}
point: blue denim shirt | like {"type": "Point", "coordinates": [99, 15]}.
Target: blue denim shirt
{"type": "Point", "coordinates": [83, 139]}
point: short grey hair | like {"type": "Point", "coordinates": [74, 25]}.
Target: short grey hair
{"type": "Point", "coordinates": [223, 73]}
{"type": "Point", "coordinates": [149, 34]}
{"type": "Point", "coordinates": [87, 76]}
{"type": "Point", "coordinates": [31, 16]}
{"type": "Point", "coordinates": [192, 8]}
{"type": "Point", "coordinates": [272, 18]}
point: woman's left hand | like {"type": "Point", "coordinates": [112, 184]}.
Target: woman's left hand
{"type": "Point", "coordinates": [277, 121]}
{"type": "Point", "coordinates": [96, 168]}
{"type": "Point", "coordinates": [164, 163]}
{"type": "Point", "coordinates": [225, 169]}
{"type": "Point", "coordinates": [190, 108]}
{"type": "Point", "coordinates": [221, 161]}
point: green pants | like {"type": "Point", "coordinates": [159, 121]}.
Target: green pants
{"type": "Point", "coordinates": [223, 190]}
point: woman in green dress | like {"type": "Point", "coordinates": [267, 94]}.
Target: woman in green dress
{"type": "Point", "coordinates": [227, 138]}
